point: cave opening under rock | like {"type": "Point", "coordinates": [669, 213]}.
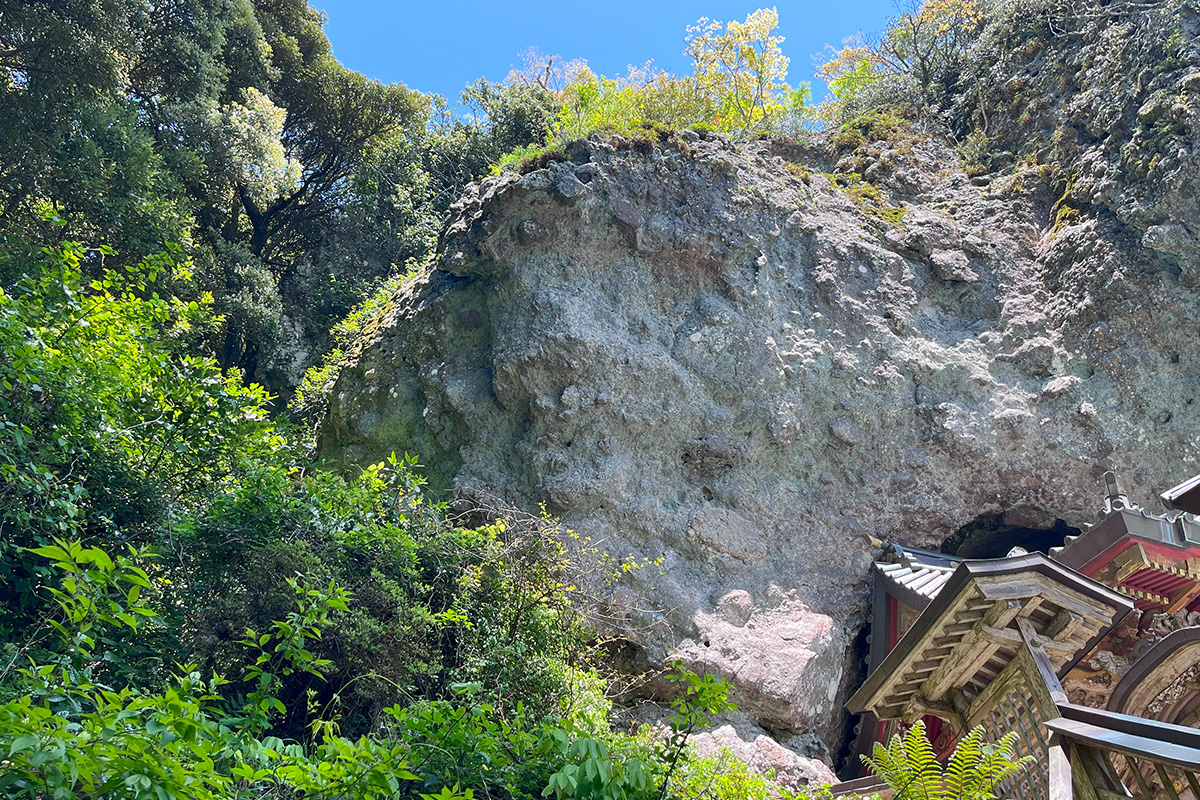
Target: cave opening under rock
{"type": "Point", "coordinates": [994, 535]}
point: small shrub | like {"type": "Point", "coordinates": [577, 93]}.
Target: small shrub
{"type": "Point", "coordinates": [914, 63]}
{"type": "Point", "coordinates": [527, 159]}
{"type": "Point", "coordinates": [882, 125]}
{"type": "Point", "coordinates": [799, 171]}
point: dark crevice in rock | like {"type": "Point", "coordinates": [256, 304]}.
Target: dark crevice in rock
{"type": "Point", "coordinates": [994, 535]}
{"type": "Point", "coordinates": [844, 760]}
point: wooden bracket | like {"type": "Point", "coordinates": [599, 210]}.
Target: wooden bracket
{"type": "Point", "coordinates": [1045, 667]}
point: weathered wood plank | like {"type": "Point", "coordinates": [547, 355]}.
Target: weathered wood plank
{"type": "Point", "coordinates": [972, 652]}
{"type": "Point", "coordinates": [1081, 779]}
{"type": "Point", "coordinates": [1193, 784]}
{"type": "Point", "coordinates": [919, 706]}
{"type": "Point", "coordinates": [1105, 794]}
{"type": "Point", "coordinates": [986, 699]}
{"type": "Point", "coordinates": [1006, 587]}
{"type": "Point", "coordinates": [1040, 698]}
{"type": "Point", "coordinates": [1166, 781]}
{"type": "Point", "coordinates": [962, 704]}
{"type": "Point", "coordinates": [1013, 638]}
{"type": "Point", "coordinates": [1031, 605]}
{"type": "Point", "coordinates": [1110, 768]}
{"type": "Point", "coordinates": [893, 685]}
{"type": "Point", "coordinates": [1136, 769]}
{"type": "Point", "coordinates": [1064, 624]}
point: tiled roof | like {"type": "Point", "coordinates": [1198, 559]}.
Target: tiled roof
{"type": "Point", "coordinates": [919, 572]}
{"type": "Point", "coordinates": [966, 637]}
{"type": "Point", "coordinates": [924, 579]}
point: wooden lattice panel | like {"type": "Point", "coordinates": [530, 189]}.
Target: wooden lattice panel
{"type": "Point", "coordinates": [1014, 711]}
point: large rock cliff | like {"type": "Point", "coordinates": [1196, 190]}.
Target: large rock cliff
{"type": "Point", "coordinates": [752, 362]}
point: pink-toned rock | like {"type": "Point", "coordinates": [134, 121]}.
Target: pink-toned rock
{"type": "Point", "coordinates": [736, 607]}
{"type": "Point", "coordinates": [765, 755]}
{"type": "Point", "coordinates": [785, 662]}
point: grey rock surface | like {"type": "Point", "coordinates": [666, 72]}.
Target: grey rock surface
{"type": "Point", "coordinates": [692, 353]}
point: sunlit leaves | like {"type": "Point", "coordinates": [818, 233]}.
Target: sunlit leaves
{"type": "Point", "coordinates": [737, 86]}
{"type": "Point", "coordinates": [742, 65]}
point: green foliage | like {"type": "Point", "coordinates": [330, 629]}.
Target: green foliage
{"type": "Point", "coordinates": [225, 126]}
{"type": "Point", "coordinates": [726, 776]}
{"type": "Point", "coordinates": [437, 604]}
{"type": "Point", "coordinates": [99, 595]}
{"type": "Point", "coordinates": [473, 745]}
{"type": "Point", "coordinates": [515, 117]}
{"type": "Point", "coordinates": [741, 67]}
{"type": "Point", "coordinates": [526, 159]}
{"type": "Point", "coordinates": [349, 336]}
{"type": "Point", "coordinates": [107, 425]}
{"type": "Point", "coordinates": [702, 696]}
{"type": "Point", "coordinates": [976, 768]}
{"type": "Point", "coordinates": [284, 651]}
{"type": "Point", "coordinates": [112, 433]}
{"type": "Point", "coordinates": [914, 64]}
{"type": "Point", "coordinates": [631, 105]}
{"type": "Point", "coordinates": [848, 82]}
{"type": "Point", "coordinates": [871, 126]}
{"type": "Point", "coordinates": [869, 199]}
{"type": "Point", "coordinates": [592, 772]}
{"type": "Point", "coordinates": [736, 87]}
{"type": "Point", "coordinates": [68, 735]}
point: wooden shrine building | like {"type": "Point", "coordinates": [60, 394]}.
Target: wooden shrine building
{"type": "Point", "coordinates": [1090, 653]}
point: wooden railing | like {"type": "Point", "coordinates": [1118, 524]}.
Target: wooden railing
{"type": "Point", "coordinates": [1102, 755]}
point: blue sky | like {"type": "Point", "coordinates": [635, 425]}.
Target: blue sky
{"type": "Point", "coordinates": [441, 45]}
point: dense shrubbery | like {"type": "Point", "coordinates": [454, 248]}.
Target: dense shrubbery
{"type": "Point", "coordinates": [914, 65]}
{"type": "Point", "coordinates": [67, 734]}
{"type": "Point", "coordinates": [737, 87]}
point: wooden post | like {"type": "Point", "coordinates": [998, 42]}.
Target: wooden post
{"type": "Point", "coordinates": [1084, 783]}
{"type": "Point", "coordinates": [1061, 783]}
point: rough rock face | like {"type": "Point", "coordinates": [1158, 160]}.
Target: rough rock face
{"type": "Point", "coordinates": [699, 352]}
{"type": "Point", "coordinates": [1109, 93]}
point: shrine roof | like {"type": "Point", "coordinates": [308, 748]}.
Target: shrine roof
{"type": "Point", "coordinates": [973, 629]}
{"type": "Point", "coordinates": [915, 576]}
{"type": "Point", "coordinates": [1184, 497]}
{"type": "Point", "coordinates": [1180, 533]}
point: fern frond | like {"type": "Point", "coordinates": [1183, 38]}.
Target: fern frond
{"type": "Point", "coordinates": [996, 766]}
{"type": "Point", "coordinates": [964, 763]}
{"type": "Point", "coordinates": [888, 763]}
{"type": "Point", "coordinates": [927, 778]}
{"type": "Point", "coordinates": [908, 765]}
